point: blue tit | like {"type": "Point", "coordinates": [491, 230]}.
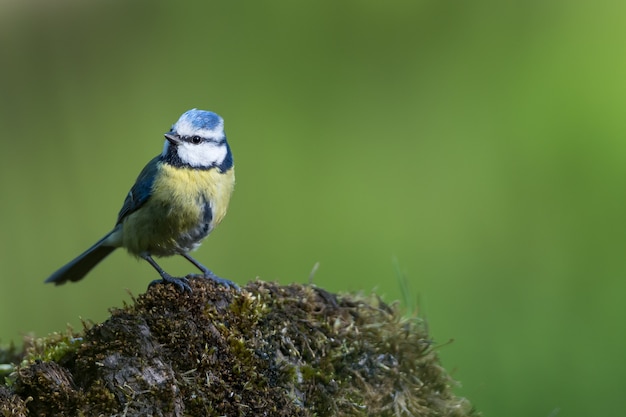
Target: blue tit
{"type": "Point", "coordinates": [177, 200]}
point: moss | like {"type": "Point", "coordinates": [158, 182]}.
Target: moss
{"type": "Point", "coordinates": [11, 405]}
{"type": "Point", "coordinates": [269, 350]}
{"type": "Point", "coordinates": [52, 347]}
{"type": "Point", "coordinates": [8, 357]}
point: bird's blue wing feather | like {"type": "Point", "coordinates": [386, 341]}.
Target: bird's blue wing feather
{"type": "Point", "coordinates": [141, 191]}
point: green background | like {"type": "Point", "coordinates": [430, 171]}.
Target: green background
{"type": "Point", "coordinates": [482, 144]}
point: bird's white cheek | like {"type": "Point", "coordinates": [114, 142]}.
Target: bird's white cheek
{"type": "Point", "coordinates": [202, 155]}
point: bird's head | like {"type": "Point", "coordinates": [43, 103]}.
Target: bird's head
{"type": "Point", "coordinates": [197, 140]}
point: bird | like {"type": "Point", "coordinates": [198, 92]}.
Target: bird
{"type": "Point", "coordinates": [179, 197]}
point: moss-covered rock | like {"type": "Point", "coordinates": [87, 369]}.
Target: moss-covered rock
{"type": "Point", "coordinates": [268, 350]}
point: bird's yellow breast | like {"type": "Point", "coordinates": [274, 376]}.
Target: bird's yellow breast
{"type": "Point", "coordinates": [184, 206]}
{"type": "Point", "coordinates": [184, 189]}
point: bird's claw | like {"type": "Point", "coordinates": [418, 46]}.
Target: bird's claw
{"type": "Point", "coordinates": [182, 284]}
{"type": "Point", "coordinates": [210, 275]}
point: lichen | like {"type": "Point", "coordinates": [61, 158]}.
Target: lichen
{"type": "Point", "coordinates": [267, 350]}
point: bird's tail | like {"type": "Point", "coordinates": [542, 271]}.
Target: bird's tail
{"type": "Point", "coordinates": [76, 269]}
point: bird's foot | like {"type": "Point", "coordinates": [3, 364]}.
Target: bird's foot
{"type": "Point", "coordinates": [182, 284]}
{"type": "Point", "coordinates": [210, 275]}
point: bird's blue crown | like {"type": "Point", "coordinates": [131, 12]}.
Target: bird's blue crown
{"type": "Point", "coordinates": [199, 122]}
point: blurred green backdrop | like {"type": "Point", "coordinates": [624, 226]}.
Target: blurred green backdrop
{"type": "Point", "coordinates": [480, 143]}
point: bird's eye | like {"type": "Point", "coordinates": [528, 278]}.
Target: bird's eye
{"type": "Point", "coordinates": [196, 140]}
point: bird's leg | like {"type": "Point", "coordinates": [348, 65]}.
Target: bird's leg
{"type": "Point", "coordinates": [181, 283]}
{"type": "Point", "coordinates": [208, 274]}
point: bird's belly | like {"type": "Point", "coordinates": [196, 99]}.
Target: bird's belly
{"type": "Point", "coordinates": [163, 229]}
{"type": "Point", "coordinates": [180, 213]}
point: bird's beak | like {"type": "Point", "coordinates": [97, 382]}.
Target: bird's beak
{"type": "Point", "coordinates": [172, 138]}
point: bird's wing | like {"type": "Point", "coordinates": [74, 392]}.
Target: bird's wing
{"type": "Point", "coordinates": [141, 191]}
